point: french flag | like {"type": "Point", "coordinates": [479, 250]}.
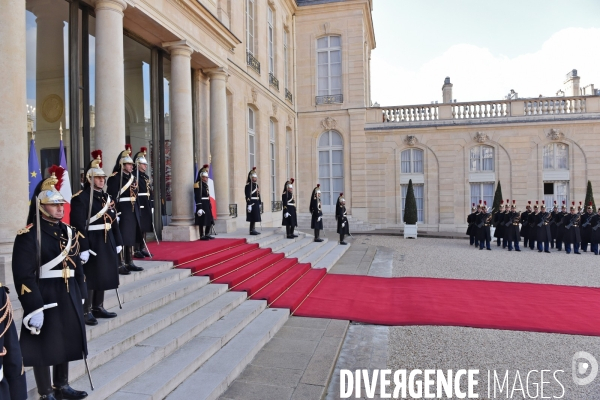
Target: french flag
{"type": "Point", "coordinates": [211, 188]}
{"type": "Point", "coordinates": [65, 188]}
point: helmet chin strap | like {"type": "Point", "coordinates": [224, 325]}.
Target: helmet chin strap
{"type": "Point", "coordinates": [46, 215]}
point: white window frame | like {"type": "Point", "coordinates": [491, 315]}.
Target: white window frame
{"type": "Point", "coordinates": [271, 39]}
{"type": "Point", "coordinates": [478, 167]}
{"type": "Point", "coordinates": [273, 159]}
{"type": "Point", "coordinates": [330, 148]}
{"type": "Point", "coordinates": [554, 157]}
{"type": "Point", "coordinates": [559, 197]}
{"type": "Point", "coordinates": [489, 198]}
{"type": "Point", "coordinates": [420, 200]}
{"type": "Point", "coordinates": [412, 162]}
{"type": "Point", "coordinates": [251, 138]}
{"type": "Point", "coordinates": [286, 61]}
{"type": "Point", "coordinates": [329, 49]}
{"type": "Point", "coordinates": [250, 27]}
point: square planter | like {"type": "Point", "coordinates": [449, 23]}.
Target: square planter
{"type": "Point", "coordinates": [410, 231]}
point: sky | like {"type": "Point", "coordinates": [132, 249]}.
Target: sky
{"type": "Point", "coordinates": [486, 48]}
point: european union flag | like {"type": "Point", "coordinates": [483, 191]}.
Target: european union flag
{"type": "Point", "coordinates": [35, 173]}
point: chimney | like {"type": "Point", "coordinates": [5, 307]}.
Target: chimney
{"type": "Point", "coordinates": [447, 91]}
{"type": "Point", "coordinates": [572, 84]}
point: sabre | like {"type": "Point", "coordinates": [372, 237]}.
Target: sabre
{"type": "Point", "coordinates": [145, 245]}
{"type": "Point", "coordinates": [87, 369]}
{"type": "Point", "coordinates": [119, 299]}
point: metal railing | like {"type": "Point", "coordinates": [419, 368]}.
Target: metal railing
{"type": "Point", "coordinates": [288, 96]}
{"type": "Point", "coordinates": [276, 206]}
{"type": "Point", "coordinates": [330, 99]}
{"type": "Point", "coordinates": [233, 210]}
{"type": "Point", "coordinates": [273, 81]}
{"type": "Point", "coordinates": [253, 62]}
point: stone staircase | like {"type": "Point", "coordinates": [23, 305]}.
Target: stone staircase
{"type": "Point", "coordinates": [181, 336]}
{"type": "Point", "coordinates": [330, 224]}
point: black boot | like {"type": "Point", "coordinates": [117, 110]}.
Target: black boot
{"type": "Point", "coordinates": [62, 390]}
{"type": "Point", "coordinates": [43, 382]}
{"type": "Point", "coordinates": [289, 232]}
{"type": "Point", "coordinates": [98, 306]}
{"type": "Point", "coordinates": [137, 253]}
{"type": "Point", "coordinates": [252, 229]}
{"type": "Point", "coordinates": [129, 261]}
{"type": "Point", "coordinates": [342, 239]}
{"type": "Point", "coordinates": [88, 317]}
{"type": "Point", "coordinates": [317, 238]}
{"type": "Point", "coordinates": [202, 234]}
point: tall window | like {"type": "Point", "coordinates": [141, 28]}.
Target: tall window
{"type": "Point", "coordinates": [251, 139]}
{"type": "Point", "coordinates": [286, 64]}
{"type": "Point", "coordinates": [482, 159]}
{"type": "Point", "coordinates": [288, 139]}
{"type": "Point", "coordinates": [272, 159]}
{"type": "Point", "coordinates": [483, 192]}
{"type": "Point", "coordinates": [331, 168]}
{"type": "Point", "coordinates": [556, 191]}
{"type": "Point", "coordinates": [329, 65]}
{"type": "Point", "coordinates": [250, 26]}
{"type": "Point", "coordinates": [270, 34]}
{"type": "Point", "coordinates": [411, 161]}
{"type": "Point", "coordinates": [418, 190]}
{"type": "Point", "coordinates": [556, 156]}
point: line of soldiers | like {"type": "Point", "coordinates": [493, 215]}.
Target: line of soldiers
{"type": "Point", "coordinates": [548, 229]}
{"type": "Point", "coordinates": [62, 271]}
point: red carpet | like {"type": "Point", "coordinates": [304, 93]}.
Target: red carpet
{"type": "Point", "coordinates": [451, 302]}
{"type": "Point", "coordinates": [181, 252]}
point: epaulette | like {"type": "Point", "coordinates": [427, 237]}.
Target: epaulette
{"type": "Point", "coordinates": [25, 230]}
{"type": "Point", "coordinates": [196, 185]}
{"type": "Point", "coordinates": [77, 194]}
{"type": "Point", "coordinates": [114, 173]}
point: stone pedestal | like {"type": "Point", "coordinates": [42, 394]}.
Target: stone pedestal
{"type": "Point", "coordinates": [173, 233]}
{"type": "Point", "coordinates": [110, 81]}
{"type": "Point", "coordinates": [225, 224]}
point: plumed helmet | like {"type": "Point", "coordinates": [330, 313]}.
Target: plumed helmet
{"type": "Point", "coordinates": [289, 184]}
{"type": "Point", "coordinates": [203, 171]}
{"type": "Point", "coordinates": [590, 206]}
{"type": "Point", "coordinates": [49, 190]}
{"type": "Point", "coordinates": [252, 174]}
{"type": "Point", "coordinates": [123, 158]}
{"type": "Point", "coordinates": [140, 156]}
{"type": "Point", "coordinates": [95, 166]}
{"type": "Point", "coordinates": [316, 190]}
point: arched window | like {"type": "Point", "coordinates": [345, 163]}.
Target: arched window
{"type": "Point", "coordinates": [482, 159]}
{"type": "Point", "coordinates": [556, 173]}
{"type": "Point", "coordinates": [556, 156]}
{"type": "Point", "coordinates": [251, 139]}
{"type": "Point", "coordinates": [412, 161]}
{"type": "Point", "coordinates": [329, 66]}
{"type": "Point", "coordinates": [331, 168]}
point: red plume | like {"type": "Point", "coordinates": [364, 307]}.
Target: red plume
{"type": "Point", "coordinates": [143, 149]}
{"type": "Point", "coordinates": [205, 166]}
{"type": "Point", "coordinates": [480, 201]}
{"type": "Point", "coordinates": [564, 202]}
{"type": "Point", "coordinates": [128, 147]}
{"type": "Point", "coordinates": [501, 201]}
{"type": "Point", "coordinates": [318, 185]}
{"type": "Point", "coordinates": [341, 194]}
{"type": "Point", "coordinates": [485, 203]}
{"type": "Point", "coordinates": [580, 202]}
{"type": "Point", "coordinates": [291, 180]}
{"type": "Point", "coordinates": [507, 201]}
{"type": "Point", "coordinates": [253, 168]}
{"type": "Point", "coordinates": [529, 202]}
{"type": "Point", "coordinates": [514, 201]}
{"type": "Point", "coordinates": [95, 155]}
{"type": "Point", "coordinates": [473, 205]}
{"type": "Point", "coordinates": [58, 172]}
{"type": "Point", "coordinates": [543, 202]}
{"type": "Point", "coordinates": [590, 204]}
{"type": "Point", "coordinates": [573, 203]}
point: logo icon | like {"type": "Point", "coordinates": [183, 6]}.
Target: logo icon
{"type": "Point", "coordinates": [584, 363]}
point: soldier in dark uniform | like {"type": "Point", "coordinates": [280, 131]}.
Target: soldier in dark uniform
{"type": "Point", "coordinates": [542, 219]}
{"type": "Point", "coordinates": [13, 384]}
{"type": "Point", "coordinates": [506, 222]}
{"type": "Point", "coordinates": [484, 220]}
{"type": "Point", "coordinates": [343, 228]}
{"type": "Point", "coordinates": [572, 235]}
{"type": "Point", "coordinates": [499, 224]}
{"type": "Point", "coordinates": [512, 228]}
{"type": "Point", "coordinates": [560, 226]}
{"type": "Point", "coordinates": [123, 188]}
{"type": "Point", "coordinates": [552, 224]}
{"type": "Point", "coordinates": [252, 192]}
{"type": "Point", "coordinates": [595, 239]}
{"type": "Point", "coordinates": [145, 200]}
{"type": "Point", "coordinates": [204, 216]}
{"type": "Point", "coordinates": [532, 225]}
{"type": "Point", "coordinates": [470, 224]}
{"type": "Point", "coordinates": [586, 227]}
{"type": "Point", "coordinates": [316, 212]}
{"type": "Point", "coordinates": [525, 224]}
{"type": "Point", "coordinates": [290, 220]}
{"type": "Point", "coordinates": [102, 239]}
{"type": "Point", "coordinates": [50, 283]}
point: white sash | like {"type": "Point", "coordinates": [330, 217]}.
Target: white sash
{"type": "Point", "coordinates": [124, 188]}
{"type": "Point", "coordinates": [101, 212]}
{"type": "Point", "coordinates": [46, 268]}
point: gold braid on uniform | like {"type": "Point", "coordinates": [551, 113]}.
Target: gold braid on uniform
{"type": "Point", "coordinates": [75, 251]}
{"type": "Point", "coordinates": [132, 189]}
{"type": "Point", "coordinates": [7, 315]}
{"type": "Point", "coordinates": [107, 218]}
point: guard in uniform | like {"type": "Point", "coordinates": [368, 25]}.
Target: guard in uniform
{"type": "Point", "coordinates": [572, 235]}
{"type": "Point", "coordinates": [145, 200]}
{"type": "Point", "coordinates": [252, 192]}
{"type": "Point", "coordinates": [471, 225]}
{"type": "Point", "coordinates": [204, 216]}
{"type": "Point", "coordinates": [102, 239]}
{"type": "Point", "coordinates": [343, 228]}
{"type": "Point", "coordinates": [586, 227]}
{"type": "Point", "coordinates": [542, 219]}
{"type": "Point", "coordinates": [484, 220]}
{"type": "Point", "coordinates": [13, 384]}
{"type": "Point", "coordinates": [560, 226]}
{"type": "Point", "coordinates": [512, 228]}
{"type": "Point", "coordinates": [499, 224]}
{"type": "Point", "coordinates": [316, 212]}
{"type": "Point", "coordinates": [595, 239]}
{"type": "Point", "coordinates": [533, 225]}
{"type": "Point", "coordinates": [506, 223]}
{"type": "Point", "coordinates": [552, 224]}
{"type": "Point", "coordinates": [290, 220]}
{"type": "Point", "coordinates": [123, 188]}
{"type": "Point", "coordinates": [50, 283]}
{"type": "Point", "coordinates": [525, 224]}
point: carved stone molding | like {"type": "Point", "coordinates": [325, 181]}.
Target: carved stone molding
{"type": "Point", "coordinates": [254, 95]}
{"type": "Point", "coordinates": [410, 140]}
{"type": "Point", "coordinates": [328, 123]}
{"type": "Point", "coordinates": [555, 134]}
{"type": "Point", "coordinates": [481, 137]}
{"type": "Point", "coordinates": [274, 107]}
{"type": "Point", "coordinates": [325, 27]}
{"type": "Point", "coordinates": [290, 120]}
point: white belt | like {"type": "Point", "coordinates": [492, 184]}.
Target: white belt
{"type": "Point", "coordinates": [101, 212]}
{"type": "Point", "coordinates": [99, 227]}
{"type": "Point", "coordinates": [254, 198]}
{"type": "Point", "coordinates": [127, 199]}
{"type": "Point", "coordinates": [205, 198]}
{"type": "Point", "coordinates": [143, 194]}
{"type": "Point", "coordinates": [1, 373]}
{"type": "Point", "coordinates": [55, 273]}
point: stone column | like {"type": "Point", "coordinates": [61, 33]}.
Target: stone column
{"type": "Point", "coordinates": [110, 82]}
{"type": "Point", "coordinates": [13, 130]}
{"type": "Point", "coordinates": [181, 227]}
{"type": "Point", "coordinates": [219, 148]}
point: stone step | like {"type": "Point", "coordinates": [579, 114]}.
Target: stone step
{"type": "Point", "coordinates": [164, 377]}
{"type": "Point", "coordinates": [264, 242]}
{"type": "Point", "coordinates": [215, 375]}
{"type": "Point", "coordinates": [295, 246]}
{"type": "Point", "coordinates": [309, 249]}
{"type": "Point", "coordinates": [321, 252]}
{"type": "Point", "coordinates": [281, 243]}
{"type": "Point", "coordinates": [329, 259]}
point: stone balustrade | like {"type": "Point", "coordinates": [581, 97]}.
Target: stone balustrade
{"type": "Point", "coordinates": [480, 109]}
{"type": "Point", "coordinates": [427, 112]}
{"type": "Point", "coordinates": [555, 105]}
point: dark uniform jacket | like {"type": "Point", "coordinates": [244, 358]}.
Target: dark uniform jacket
{"type": "Point", "coordinates": [342, 219]}
{"type": "Point", "coordinates": [128, 209]}
{"type": "Point", "coordinates": [483, 226]}
{"type": "Point", "coordinates": [525, 224]}
{"type": "Point", "coordinates": [571, 223]}
{"type": "Point", "coordinates": [560, 226]}
{"type": "Point", "coordinates": [543, 229]}
{"type": "Point", "coordinates": [532, 226]}
{"type": "Point", "coordinates": [14, 385]}
{"type": "Point", "coordinates": [471, 224]}
{"type": "Point", "coordinates": [289, 206]}
{"type": "Point", "coordinates": [499, 223]}
{"type": "Point", "coordinates": [512, 226]}
{"type": "Point", "coordinates": [595, 224]}
{"type": "Point", "coordinates": [102, 238]}
{"type": "Point", "coordinates": [586, 227]}
{"type": "Point", "coordinates": [146, 202]}
{"type": "Point", "coordinates": [316, 212]}
{"type": "Point", "coordinates": [252, 192]}
{"type": "Point", "coordinates": [552, 224]}
{"type": "Point", "coordinates": [202, 198]}
{"type": "Point", "coordinates": [62, 336]}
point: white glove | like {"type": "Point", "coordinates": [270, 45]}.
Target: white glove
{"type": "Point", "coordinates": [119, 248]}
{"type": "Point", "coordinates": [37, 320]}
{"type": "Point", "coordinates": [286, 215]}
{"type": "Point", "coordinates": [343, 224]}
{"type": "Point", "coordinates": [200, 213]}
{"type": "Point", "coordinates": [250, 208]}
{"type": "Point", "coordinates": [118, 219]}
{"type": "Point", "coordinates": [319, 219]}
{"type": "Point", "coordinates": [84, 256]}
